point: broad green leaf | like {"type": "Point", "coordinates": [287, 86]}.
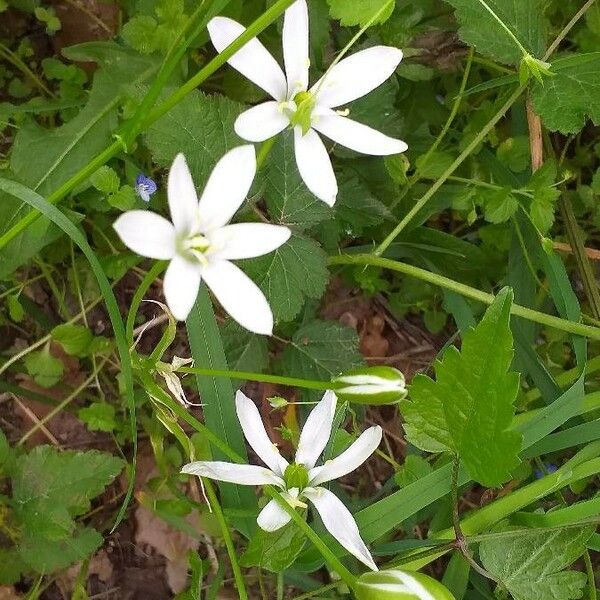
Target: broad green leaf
{"type": "Point", "coordinates": [498, 205]}
{"type": "Point", "coordinates": [524, 18]}
{"type": "Point", "coordinates": [45, 369]}
{"type": "Point", "coordinates": [201, 127]}
{"type": "Point", "coordinates": [274, 551]}
{"type": "Point", "coordinates": [291, 274]}
{"type": "Point", "coordinates": [530, 565]}
{"type": "Point", "coordinates": [289, 201]}
{"type": "Point", "coordinates": [468, 409]}
{"type": "Point", "coordinates": [50, 488]}
{"type": "Point", "coordinates": [105, 180]}
{"type": "Point", "coordinates": [360, 12]}
{"type": "Point", "coordinates": [61, 152]}
{"type": "Point", "coordinates": [571, 95]}
{"type": "Point", "coordinates": [11, 566]}
{"type": "Point", "coordinates": [98, 416]}
{"type": "Point", "coordinates": [321, 350]}
{"type": "Point", "coordinates": [74, 339]}
{"type": "Point", "coordinates": [414, 468]}
{"type": "Point", "coordinates": [245, 351]}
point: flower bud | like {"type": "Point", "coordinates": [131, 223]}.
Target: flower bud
{"type": "Point", "coordinates": [371, 385]}
{"type": "Point", "coordinates": [399, 585]}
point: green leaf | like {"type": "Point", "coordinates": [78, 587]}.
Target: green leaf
{"type": "Point", "coordinates": [105, 180]}
{"type": "Point", "coordinates": [98, 416]}
{"type": "Point", "coordinates": [531, 563]}
{"type": "Point", "coordinates": [274, 551]}
{"type": "Point", "coordinates": [360, 12]}
{"type": "Point", "coordinates": [123, 199]}
{"type": "Point", "coordinates": [74, 339]}
{"type": "Point", "coordinates": [524, 18]}
{"type": "Point", "coordinates": [45, 369]}
{"type": "Point", "coordinates": [50, 488]}
{"type": "Point", "coordinates": [572, 95]}
{"type": "Point", "coordinates": [469, 408]}
{"type": "Point", "coordinates": [289, 201]}
{"type": "Point", "coordinates": [140, 33]}
{"type": "Point", "coordinates": [542, 208]}
{"type": "Point", "coordinates": [15, 309]}
{"type": "Point", "coordinates": [11, 566]}
{"type": "Point", "coordinates": [201, 127]}
{"type": "Point", "coordinates": [289, 275]}
{"type": "Point", "coordinates": [498, 205]}
{"type": "Point", "coordinates": [245, 351]}
{"type": "Point", "coordinates": [414, 468]}
{"type": "Point", "coordinates": [321, 350]}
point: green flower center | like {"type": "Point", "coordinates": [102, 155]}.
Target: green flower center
{"type": "Point", "coordinates": [296, 476]}
{"type": "Point", "coordinates": [305, 103]}
{"type": "Point", "coordinates": [196, 247]}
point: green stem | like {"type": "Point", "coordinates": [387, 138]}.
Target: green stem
{"type": "Point", "coordinates": [446, 174]}
{"type": "Point", "coordinates": [502, 24]}
{"type": "Point", "coordinates": [111, 151]}
{"type": "Point", "coordinates": [218, 512]}
{"type": "Point", "coordinates": [322, 547]}
{"type": "Point", "coordinates": [14, 60]}
{"type": "Point", "coordinates": [467, 291]}
{"type": "Point", "coordinates": [309, 384]}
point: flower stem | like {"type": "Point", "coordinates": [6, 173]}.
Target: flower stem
{"type": "Point", "coordinates": [467, 291]}
{"type": "Point", "coordinates": [309, 384]}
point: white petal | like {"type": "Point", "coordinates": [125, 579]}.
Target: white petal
{"type": "Point", "coordinates": [357, 136]}
{"type": "Point", "coordinates": [273, 517]}
{"type": "Point", "coordinates": [247, 240]}
{"type": "Point", "coordinates": [233, 473]}
{"type": "Point", "coordinates": [261, 122]}
{"type": "Point", "coordinates": [315, 165]}
{"type": "Point", "coordinates": [357, 75]}
{"type": "Point", "coordinates": [227, 187]}
{"type": "Point", "coordinates": [183, 200]}
{"type": "Point", "coordinates": [295, 47]}
{"type": "Point", "coordinates": [181, 285]}
{"type": "Point", "coordinates": [254, 432]}
{"type": "Point", "coordinates": [350, 459]}
{"type": "Point", "coordinates": [146, 233]}
{"type": "Point", "coordinates": [316, 431]}
{"type": "Point", "coordinates": [340, 523]}
{"type": "Point", "coordinates": [239, 296]}
{"type": "Point", "coordinates": [253, 60]}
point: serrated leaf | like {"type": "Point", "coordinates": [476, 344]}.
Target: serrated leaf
{"type": "Point", "coordinates": [50, 488]}
{"type": "Point", "coordinates": [105, 180]}
{"type": "Point", "coordinates": [45, 369]}
{"type": "Point", "coordinates": [201, 127]}
{"type": "Point", "coordinates": [74, 339]}
{"type": "Point", "coordinates": [468, 408]}
{"type": "Point", "coordinates": [321, 350]}
{"type": "Point", "coordinates": [139, 33]}
{"type": "Point", "coordinates": [498, 205]}
{"type": "Point", "coordinates": [531, 564]}
{"type": "Point", "coordinates": [289, 275]}
{"type": "Point", "coordinates": [524, 18]}
{"type": "Point", "coordinates": [274, 551]}
{"type": "Point", "coordinates": [360, 12]}
{"type": "Point", "coordinates": [289, 201]}
{"type": "Point", "coordinates": [98, 416]}
{"type": "Point", "coordinates": [565, 100]}
{"type": "Point", "coordinates": [11, 566]}
{"type": "Point", "coordinates": [123, 199]}
{"type": "Point", "coordinates": [245, 351]}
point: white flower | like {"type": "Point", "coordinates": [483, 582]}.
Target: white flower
{"type": "Point", "coordinates": [309, 111]}
{"type": "Point", "coordinates": [301, 479]}
{"type": "Point", "coordinates": [200, 243]}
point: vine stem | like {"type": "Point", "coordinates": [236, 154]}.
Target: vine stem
{"type": "Point", "coordinates": [448, 172]}
{"type": "Point", "coordinates": [467, 291]}
{"type": "Point", "coordinates": [563, 34]}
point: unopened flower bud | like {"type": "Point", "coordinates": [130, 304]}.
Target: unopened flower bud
{"type": "Point", "coordinates": [371, 385]}
{"type": "Point", "coordinates": [400, 585]}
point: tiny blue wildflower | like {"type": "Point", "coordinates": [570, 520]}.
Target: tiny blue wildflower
{"type": "Point", "coordinates": [549, 470]}
{"type": "Point", "coordinates": [145, 187]}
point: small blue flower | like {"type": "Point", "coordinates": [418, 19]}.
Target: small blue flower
{"type": "Point", "coordinates": [550, 468]}
{"type": "Point", "coordinates": [145, 187]}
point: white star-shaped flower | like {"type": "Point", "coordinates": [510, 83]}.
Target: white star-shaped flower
{"type": "Point", "coordinates": [301, 479]}
{"type": "Point", "coordinates": [200, 244]}
{"type": "Point", "coordinates": [309, 111]}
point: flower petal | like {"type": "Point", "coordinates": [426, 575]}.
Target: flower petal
{"type": "Point", "coordinates": [183, 200]}
{"type": "Point", "coordinates": [315, 166]}
{"type": "Point", "coordinates": [227, 187]}
{"type": "Point", "coordinates": [254, 432]}
{"type": "Point", "coordinates": [357, 136]}
{"type": "Point", "coordinates": [272, 517]}
{"type": "Point", "coordinates": [357, 75]}
{"type": "Point", "coordinates": [316, 431]}
{"type": "Point", "coordinates": [350, 459]}
{"type": "Point", "coordinates": [147, 234]}
{"type": "Point", "coordinates": [340, 523]}
{"type": "Point", "coordinates": [181, 285]}
{"type": "Point", "coordinates": [253, 60]}
{"type": "Point", "coordinates": [295, 47]}
{"type": "Point", "coordinates": [261, 122]}
{"type": "Point", "coordinates": [247, 240]}
{"type": "Point", "coordinates": [239, 296]}
{"type": "Point", "coordinates": [233, 473]}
